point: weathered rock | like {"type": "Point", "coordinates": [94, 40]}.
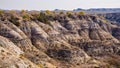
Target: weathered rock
{"type": "Point", "coordinates": [67, 41]}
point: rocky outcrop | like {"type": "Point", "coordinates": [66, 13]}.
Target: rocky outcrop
{"type": "Point", "coordinates": [11, 56]}
{"type": "Point", "coordinates": [115, 17]}
{"type": "Point", "coordinates": [77, 41]}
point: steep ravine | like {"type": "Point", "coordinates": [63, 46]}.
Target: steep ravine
{"type": "Point", "coordinates": [80, 41]}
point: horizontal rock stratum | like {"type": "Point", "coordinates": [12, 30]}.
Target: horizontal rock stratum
{"type": "Point", "coordinates": [32, 39]}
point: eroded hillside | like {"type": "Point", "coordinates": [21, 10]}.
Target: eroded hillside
{"type": "Point", "coordinates": [34, 39]}
{"type": "Point", "coordinates": [115, 17]}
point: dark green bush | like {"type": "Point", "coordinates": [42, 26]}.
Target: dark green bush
{"type": "Point", "coordinates": [26, 17]}
{"type": "Point", "coordinates": [17, 23]}
{"type": "Point", "coordinates": [61, 12]}
{"type": "Point", "coordinates": [71, 16]}
{"type": "Point", "coordinates": [14, 20]}
{"type": "Point", "coordinates": [43, 18]}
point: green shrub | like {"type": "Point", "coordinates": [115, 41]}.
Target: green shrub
{"type": "Point", "coordinates": [72, 16]}
{"type": "Point", "coordinates": [39, 65]}
{"type": "Point", "coordinates": [61, 12]}
{"type": "Point", "coordinates": [14, 20]}
{"type": "Point", "coordinates": [43, 18]}
{"type": "Point", "coordinates": [105, 21]}
{"type": "Point", "coordinates": [26, 17]}
{"type": "Point", "coordinates": [1, 12]}
{"type": "Point", "coordinates": [102, 17]}
{"type": "Point", "coordinates": [82, 12]}
{"type": "Point", "coordinates": [68, 12]}
{"type": "Point", "coordinates": [23, 11]}
{"type": "Point", "coordinates": [48, 12]}
{"type": "Point", "coordinates": [17, 23]}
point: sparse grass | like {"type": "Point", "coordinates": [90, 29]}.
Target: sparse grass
{"type": "Point", "coordinates": [40, 66]}
{"type": "Point", "coordinates": [12, 11]}
{"type": "Point", "coordinates": [105, 21]}
{"type": "Point", "coordinates": [26, 17]}
{"type": "Point", "coordinates": [102, 17]}
{"type": "Point", "coordinates": [114, 62]}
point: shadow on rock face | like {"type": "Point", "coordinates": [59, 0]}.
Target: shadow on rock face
{"type": "Point", "coordinates": [59, 54]}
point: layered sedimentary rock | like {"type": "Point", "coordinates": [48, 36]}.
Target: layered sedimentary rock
{"type": "Point", "coordinates": [67, 41]}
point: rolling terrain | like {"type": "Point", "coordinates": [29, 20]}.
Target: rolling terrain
{"type": "Point", "coordinates": [32, 39]}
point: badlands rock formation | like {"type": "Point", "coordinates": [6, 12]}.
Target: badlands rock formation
{"type": "Point", "coordinates": [58, 41]}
